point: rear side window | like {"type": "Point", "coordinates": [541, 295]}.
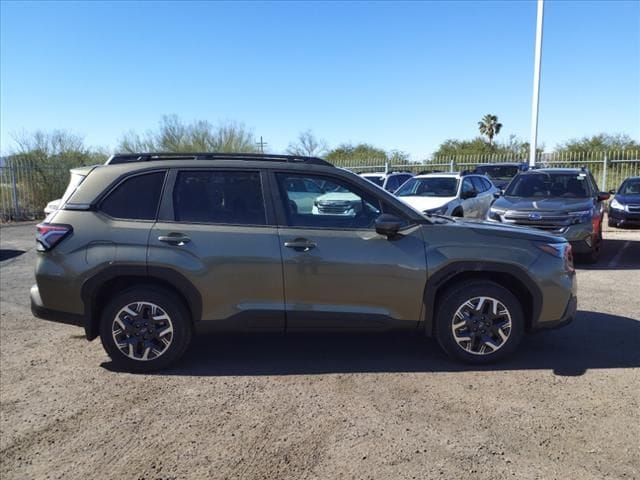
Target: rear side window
{"type": "Point", "coordinates": [136, 198]}
{"type": "Point", "coordinates": [220, 197]}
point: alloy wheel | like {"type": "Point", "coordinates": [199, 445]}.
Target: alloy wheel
{"type": "Point", "coordinates": [142, 331]}
{"type": "Point", "coordinates": [481, 325]}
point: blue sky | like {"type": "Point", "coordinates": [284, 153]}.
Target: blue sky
{"type": "Point", "coordinates": [398, 75]}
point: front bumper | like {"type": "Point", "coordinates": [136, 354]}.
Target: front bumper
{"type": "Point", "coordinates": [40, 311]}
{"type": "Point", "coordinates": [622, 218]}
{"type": "Point", "coordinates": [568, 316]}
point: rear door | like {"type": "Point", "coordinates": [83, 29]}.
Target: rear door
{"type": "Point", "coordinates": [216, 229]}
{"type": "Point", "coordinates": [469, 205]}
{"type": "Point", "coordinates": [338, 272]}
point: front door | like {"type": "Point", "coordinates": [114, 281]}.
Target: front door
{"type": "Point", "coordinates": [338, 272]}
{"type": "Point", "coordinates": [215, 231]}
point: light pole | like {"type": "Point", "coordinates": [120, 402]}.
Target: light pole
{"type": "Point", "coordinates": [535, 102]}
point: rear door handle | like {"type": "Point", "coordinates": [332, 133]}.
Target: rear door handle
{"type": "Point", "coordinates": [300, 245]}
{"type": "Point", "coordinates": [178, 239]}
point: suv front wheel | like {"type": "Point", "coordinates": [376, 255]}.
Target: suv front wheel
{"type": "Point", "coordinates": [145, 328]}
{"type": "Point", "coordinates": [479, 322]}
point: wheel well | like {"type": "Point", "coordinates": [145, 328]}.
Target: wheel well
{"type": "Point", "coordinates": [115, 285]}
{"type": "Point", "coordinates": [457, 210]}
{"type": "Point", "coordinates": [506, 280]}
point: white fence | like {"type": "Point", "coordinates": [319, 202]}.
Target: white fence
{"type": "Point", "coordinates": [26, 187]}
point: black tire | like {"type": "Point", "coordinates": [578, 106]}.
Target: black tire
{"type": "Point", "coordinates": [594, 255]}
{"type": "Point", "coordinates": [455, 298]}
{"type": "Point", "coordinates": [147, 297]}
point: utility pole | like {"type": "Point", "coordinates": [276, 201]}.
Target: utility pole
{"type": "Point", "coordinates": [535, 102]}
{"type": "Point", "coordinates": [261, 143]}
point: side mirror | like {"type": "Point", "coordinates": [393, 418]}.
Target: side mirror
{"type": "Point", "coordinates": [388, 225]}
{"type": "Point", "coordinates": [612, 192]}
{"type": "Point", "coordinates": [602, 196]}
{"type": "Point", "coordinates": [498, 194]}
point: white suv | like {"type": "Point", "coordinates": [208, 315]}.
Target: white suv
{"type": "Point", "coordinates": [453, 194]}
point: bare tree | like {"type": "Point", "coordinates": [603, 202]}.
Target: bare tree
{"type": "Point", "coordinates": [308, 145]}
{"type": "Point", "coordinates": [173, 135]}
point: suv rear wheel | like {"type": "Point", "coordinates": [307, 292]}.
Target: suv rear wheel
{"type": "Point", "coordinates": [145, 328]}
{"type": "Point", "coordinates": [479, 322]}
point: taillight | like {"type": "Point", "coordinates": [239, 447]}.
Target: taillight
{"type": "Point", "coordinates": [49, 235]}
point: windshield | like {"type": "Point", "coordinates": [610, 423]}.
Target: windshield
{"type": "Point", "coordinates": [502, 172]}
{"type": "Point", "coordinates": [630, 187]}
{"type": "Point", "coordinates": [544, 184]}
{"type": "Point", "coordinates": [377, 179]}
{"type": "Point", "coordinates": [429, 187]}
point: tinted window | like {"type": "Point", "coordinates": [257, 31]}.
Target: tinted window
{"type": "Point", "coordinates": [499, 172]}
{"type": "Point", "coordinates": [136, 198]}
{"type": "Point", "coordinates": [544, 184]}
{"type": "Point", "coordinates": [467, 186]}
{"type": "Point", "coordinates": [429, 187]}
{"type": "Point", "coordinates": [478, 184]}
{"type": "Point", "coordinates": [487, 183]}
{"type": "Point", "coordinates": [392, 183]}
{"type": "Point", "coordinates": [377, 179]}
{"type": "Point", "coordinates": [219, 197]}
{"type": "Point", "coordinates": [339, 205]}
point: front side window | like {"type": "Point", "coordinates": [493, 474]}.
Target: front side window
{"type": "Point", "coordinates": [467, 186]}
{"type": "Point", "coordinates": [219, 197]}
{"type": "Point", "coordinates": [338, 205]}
{"type": "Point", "coordinates": [478, 184]}
{"type": "Point", "coordinates": [136, 198]}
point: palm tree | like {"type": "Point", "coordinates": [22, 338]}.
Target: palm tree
{"type": "Point", "coordinates": [490, 127]}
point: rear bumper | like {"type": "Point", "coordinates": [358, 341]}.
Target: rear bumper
{"type": "Point", "coordinates": [40, 311]}
{"type": "Point", "coordinates": [568, 317]}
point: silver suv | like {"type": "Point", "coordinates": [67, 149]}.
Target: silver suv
{"type": "Point", "coordinates": [453, 194]}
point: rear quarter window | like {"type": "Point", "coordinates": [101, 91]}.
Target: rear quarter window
{"type": "Point", "coordinates": [136, 198]}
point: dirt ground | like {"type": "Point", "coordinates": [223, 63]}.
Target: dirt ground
{"type": "Point", "coordinates": [567, 406]}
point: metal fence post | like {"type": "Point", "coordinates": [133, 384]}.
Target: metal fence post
{"type": "Point", "coordinates": [451, 165]}
{"type": "Point", "coordinates": [14, 191]}
{"type": "Point", "coordinates": [604, 174]}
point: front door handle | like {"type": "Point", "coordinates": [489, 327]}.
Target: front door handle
{"type": "Point", "coordinates": [178, 239]}
{"type": "Point", "coordinates": [300, 245]}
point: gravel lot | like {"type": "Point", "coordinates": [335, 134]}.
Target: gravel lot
{"type": "Point", "coordinates": [326, 406]}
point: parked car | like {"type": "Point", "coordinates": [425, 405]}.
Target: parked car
{"type": "Point", "coordinates": [146, 253]}
{"type": "Point", "coordinates": [562, 201]}
{"type": "Point", "coordinates": [624, 209]}
{"type": "Point", "coordinates": [501, 173]}
{"type": "Point", "coordinates": [390, 181]}
{"type": "Point", "coordinates": [452, 194]}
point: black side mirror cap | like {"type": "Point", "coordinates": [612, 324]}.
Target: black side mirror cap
{"type": "Point", "coordinates": [602, 196]}
{"type": "Point", "coordinates": [498, 194]}
{"type": "Point", "coordinates": [612, 192]}
{"type": "Point", "coordinates": [388, 225]}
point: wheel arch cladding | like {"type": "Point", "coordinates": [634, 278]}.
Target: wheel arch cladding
{"type": "Point", "coordinates": [511, 277]}
{"type": "Point", "coordinates": [97, 290]}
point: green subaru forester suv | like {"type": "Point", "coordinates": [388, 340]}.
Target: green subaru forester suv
{"type": "Point", "coordinates": [151, 248]}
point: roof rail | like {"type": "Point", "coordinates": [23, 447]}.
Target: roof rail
{"type": "Point", "coordinates": [151, 156]}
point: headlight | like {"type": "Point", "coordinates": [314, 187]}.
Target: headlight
{"type": "Point", "coordinates": [495, 214]}
{"type": "Point", "coordinates": [438, 211]}
{"type": "Point", "coordinates": [582, 216]}
{"type": "Point", "coordinates": [616, 205]}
